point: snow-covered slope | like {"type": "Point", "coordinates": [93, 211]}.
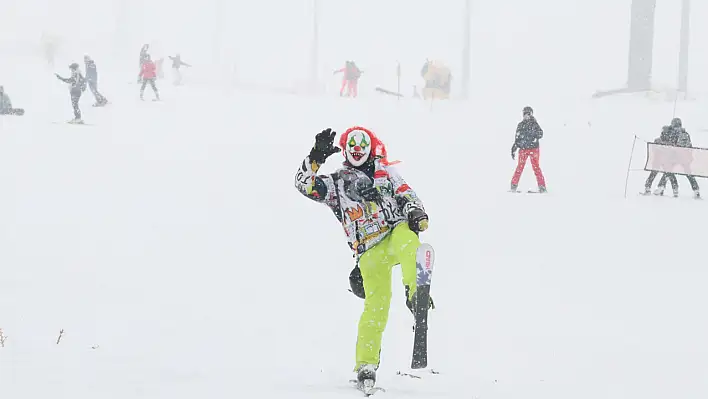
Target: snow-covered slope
{"type": "Point", "coordinates": [169, 244]}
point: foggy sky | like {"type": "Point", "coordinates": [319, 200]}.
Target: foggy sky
{"type": "Point", "coordinates": [516, 45]}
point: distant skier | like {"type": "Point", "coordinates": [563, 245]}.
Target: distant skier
{"type": "Point", "coordinates": [92, 79]}
{"type": "Point", "coordinates": [681, 138]}
{"type": "Point", "coordinates": [381, 216]}
{"type": "Point", "coordinates": [177, 63]}
{"type": "Point", "coordinates": [148, 74]}
{"type": "Point", "coordinates": [77, 85]}
{"type": "Point", "coordinates": [144, 56]}
{"type": "Point", "coordinates": [350, 79]}
{"type": "Point", "coordinates": [49, 45]}
{"type": "Point", "coordinates": [6, 105]}
{"type": "Point", "coordinates": [528, 134]}
{"type": "Point", "coordinates": [665, 139]}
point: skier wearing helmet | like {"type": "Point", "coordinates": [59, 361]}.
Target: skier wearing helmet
{"type": "Point", "coordinates": [528, 134]}
{"type": "Point", "coordinates": [381, 216]}
{"type": "Point", "coordinates": [77, 85]}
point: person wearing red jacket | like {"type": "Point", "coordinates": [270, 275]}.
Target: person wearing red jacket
{"type": "Point", "coordinates": [350, 80]}
{"type": "Point", "coordinates": [148, 73]}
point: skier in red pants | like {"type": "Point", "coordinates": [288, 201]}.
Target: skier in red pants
{"type": "Point", "coordinates": [350, 80]}
{"type": "Point", "coordinates": [528, 134]}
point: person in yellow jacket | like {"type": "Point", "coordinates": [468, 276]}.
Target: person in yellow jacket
{"type": "Point", "coordinates": [381, 216]}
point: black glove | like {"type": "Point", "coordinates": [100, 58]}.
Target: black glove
{"type": "Point", "coordinates": [513, 151]}
{"type": "Point", "coordinates": [324, 146]}
{"type": "Point", "coordinates": [417, 220]}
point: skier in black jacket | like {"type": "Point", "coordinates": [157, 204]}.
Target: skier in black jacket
{"type": "Point", "coordinates": [528, 134]}
{"type": "Point", "coordinates": [666, 138]}
{"type": "Point", "coordinates": [92, 79]}
{"type": "Point", "coordinates": [679, 137]}
{"type": "Point", "coordinates": [77, 85]}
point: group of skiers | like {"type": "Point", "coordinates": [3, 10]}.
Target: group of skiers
{"type": "Point", "coordinates": [676, 136]}
{"type": "Point", "coordinates": [78, 82]}
{"type": "Point", "coordinates": [77, 85]}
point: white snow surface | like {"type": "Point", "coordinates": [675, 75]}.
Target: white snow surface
{"type": "Point", "coordinates": [168, 242]}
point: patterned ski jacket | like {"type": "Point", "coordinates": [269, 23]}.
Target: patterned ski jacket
{"type": "Point", "coordinates": [528, 134]}
{"type": "Point", "coordinates": [365, 223]}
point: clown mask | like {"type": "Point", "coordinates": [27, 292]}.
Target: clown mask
{"type": "Point", "coordinates": [358, 147]}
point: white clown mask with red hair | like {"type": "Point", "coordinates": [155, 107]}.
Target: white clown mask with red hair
{"type": "Point", "coordinates": [359, 144]}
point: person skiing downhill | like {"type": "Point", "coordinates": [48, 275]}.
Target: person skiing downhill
{"type": "Point", "coordinates": [528, 134]}
{"type": "Point", "coordinates": [77, 85]}
{"type": "Point", "coordinates": [381, 216]}
{"type": "Point", "coordinates": [148, 73]}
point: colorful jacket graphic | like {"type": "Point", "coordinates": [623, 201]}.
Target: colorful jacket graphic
{"type": "Point", "coordinates": [365, 223]}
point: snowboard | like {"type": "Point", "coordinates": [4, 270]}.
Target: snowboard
{"type": "Point", "coordinates": [425, 261]}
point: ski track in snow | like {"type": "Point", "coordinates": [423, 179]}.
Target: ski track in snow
{"type": "Point", "coordinates": [169, 243]}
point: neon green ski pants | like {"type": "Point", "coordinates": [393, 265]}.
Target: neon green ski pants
{"type": "Point", "coordinates": [376, 265]}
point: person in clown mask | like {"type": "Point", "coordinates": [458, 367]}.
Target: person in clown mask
{"type": "Point", "coordinates": [381, 216]}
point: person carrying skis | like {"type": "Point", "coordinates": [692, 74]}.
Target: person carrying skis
{"type": "Point", "coordinates": [177, 63]}
{"type": "Point", "coordinates": [149, 75]}
{"type": "Point", "coordinates": [381, 216]}
{"type": "Point", "coordinates": [528, 134]}
{"type": "Point", "coordinates": [350, 79]}
{"type": "Point", "coordinates": [77, 85]}
{"type": "Point", "coordinates": [92, 79]}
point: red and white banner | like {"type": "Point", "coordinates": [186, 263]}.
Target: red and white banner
{"type": "Point", "coordinates": [678, 160]}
